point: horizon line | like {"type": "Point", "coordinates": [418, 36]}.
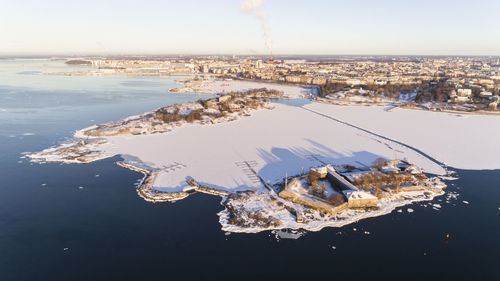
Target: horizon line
{"type": "Point", "coordinates": [12, 56]}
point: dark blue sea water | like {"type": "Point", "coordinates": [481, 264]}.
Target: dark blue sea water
{"type": "Point", "coordinates": [112, 234]}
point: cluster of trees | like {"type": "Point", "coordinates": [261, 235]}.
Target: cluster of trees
{"type": "Point", "coordinates": [194, 115]}
{"type": "Point", "coordinates": [331, 87]}
{"type": "Point", "coordinates": [434, 91]}
{"type": "Point", "coordinates": [437, 90]}
{"type": "Point", "coordinates": [391, 90]}
{"type": "Point", "coordinates": [370, 181]}
{"type": "Point", "coordinates": [257, 92]}
{"type": "Point", "coordinates": [336, 199]}
{"type": "Point", "coordinates": [388, 90]}
{"type": "Point", "coordinates": [252, 98]}
{"type": "Point", "coordinates": [264, 92]}
{"type": "Point", "coordinates": [169, 117]}
{"type": "Point", "coordinates": [313, 178]}
{"type": "Point", "coordinates": [316, 189]}
{"type": "Point", "coordinates": [320, 190]}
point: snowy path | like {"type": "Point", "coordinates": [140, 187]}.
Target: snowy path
{"type": "Point", "coordinates": [375, 134]}
{"type": "Point", "coordinates": [286, 140]}
{"type": "Point", "coordinates": [455, 140]}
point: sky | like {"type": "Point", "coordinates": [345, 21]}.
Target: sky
{"type": "Point", "coordinates": [378, 27]}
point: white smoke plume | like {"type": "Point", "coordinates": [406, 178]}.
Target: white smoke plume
{"type": "Point", "coordinates": [256, 8]}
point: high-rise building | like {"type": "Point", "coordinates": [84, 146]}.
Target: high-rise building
{"type": "Point", "coordinates": [258, 64]}
{"type": "Point", "coordinates": [204, 68]}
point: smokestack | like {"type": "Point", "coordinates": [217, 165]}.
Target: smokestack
{"type": "Point", "coordinates": [256, 8]}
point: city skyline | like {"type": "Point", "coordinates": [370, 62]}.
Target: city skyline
{"type": "Point", "coordinates": [221, 27]}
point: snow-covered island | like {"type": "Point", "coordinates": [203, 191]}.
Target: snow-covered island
{"type": "Point", "coordinates": [223, 86]}
{"type": "Point", "coordinates": [329, 196]}
{"type": "Point", "coordinates": [275, 165]}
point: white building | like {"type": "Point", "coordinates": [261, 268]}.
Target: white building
{"type": "Point", "coordinates": [258, 64]}
{"type": "Point", "coordinates": [360, 199]}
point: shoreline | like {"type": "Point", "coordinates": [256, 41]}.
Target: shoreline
{"type": "Point", "coordinates": [396, 104]}
{"type": "Point", "coordinates": [318, 226]}
{"type": "Point", "coordinates": [114, 138]}
{"type": "Point", "coordinates": [146, 190]}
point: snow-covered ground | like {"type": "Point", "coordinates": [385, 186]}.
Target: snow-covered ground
{"type": "Point", "coordinates": [461, 141]}
{"type": "Point", "coordinates": [260, 203]}
{"type": "Point", "coordinates": [275, 142]}
{"type": "Point", "coordinates": [288, 140]}
{"type": "Point", "coordinates": [226, 86]}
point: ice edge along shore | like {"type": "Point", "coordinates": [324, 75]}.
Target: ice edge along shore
{"type": "Point", "coordinates": [107, 153]}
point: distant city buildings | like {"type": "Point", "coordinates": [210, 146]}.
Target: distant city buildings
{"type": "Point", "coordinates": [467, 78]}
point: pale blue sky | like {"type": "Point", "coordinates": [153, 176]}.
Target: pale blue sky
{"type": "Point", "coordinates": [455, 27]}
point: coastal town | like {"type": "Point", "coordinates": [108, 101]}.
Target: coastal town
{"type": "Point", "coordinates": [468, 84]}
